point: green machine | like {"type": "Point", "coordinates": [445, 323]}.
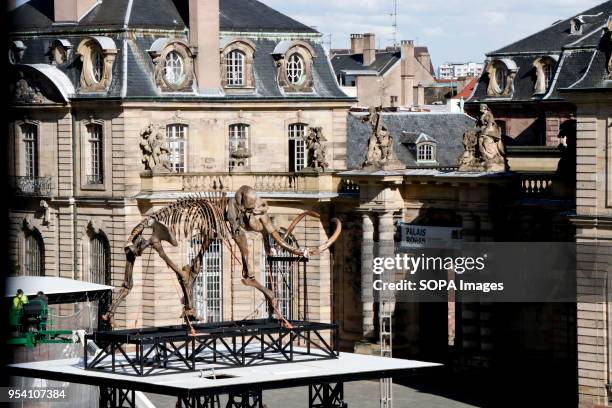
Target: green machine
{"type": "Point", "coordinates": [31, 325]}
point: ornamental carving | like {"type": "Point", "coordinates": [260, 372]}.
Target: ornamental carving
{"type": "Point", "coordinates": [381, 149]}
{"type": "Point", "coordinates": [97, 59]}
{"type": "Point", "coordinates": [544, 68]}
{"type": "Point", "coordinates": [174, 67]}
{"type": "Point", "coordinates": [155, 154]}
{"type": "Point", "coordinates": [237, 64]}
{"type": "Point", "coordinates": [607, 46]}
{"type": "Point", "coordinates": [316, 149]}
{"type": "Point", "coordinates": [483, 146]}
{"type": "Point", "coordinates": [59, 52]}
{"type": "Point", "coordinates": [295, 68]}
{"type": "Point", "coordinates": [25, 92]}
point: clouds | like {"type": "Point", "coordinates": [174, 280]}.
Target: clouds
{"type": "Point", "coordinates": [452, 29]}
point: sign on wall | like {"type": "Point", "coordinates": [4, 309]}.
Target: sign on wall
{"type": "Point", "coordinates": [420, 236]}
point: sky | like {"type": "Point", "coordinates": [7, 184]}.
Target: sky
{"type": "Point", "coordinates": [454, 30]}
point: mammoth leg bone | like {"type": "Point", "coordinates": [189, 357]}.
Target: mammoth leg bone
{"type": "Point", "coordinates": [248, 277]}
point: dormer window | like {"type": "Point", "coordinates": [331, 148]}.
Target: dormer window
{"type": "Point", "coordinates": [237, 64]}
{"type": "Point", "coordinates": [16, 51]}
{"type": "Point", "coordinates": [576, 25]}
{"type": "Point", "coordinates": [59, 52]}
{"type": "Point", "coordinates": [294, 61]}
{"type": "Point", "coordinates": [173, 61]}
{"type": "Point", "coordinates": [426, 152]}
{"type": "Point", "coordinates": [97, 55]}
{"type": "Point", "coordinates": [501, 74]}
{"type": "Point", "coordinates": [544, 71]}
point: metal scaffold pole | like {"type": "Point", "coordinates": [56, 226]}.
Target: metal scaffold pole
{"type": "Point", "coordinates": [385, 317]}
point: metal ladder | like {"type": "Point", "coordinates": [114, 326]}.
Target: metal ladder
{"type": "Point", "coordinates": [385, 315]}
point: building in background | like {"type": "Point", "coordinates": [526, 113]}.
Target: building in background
{"type": "Point", "coordinates": [456, 70]}
{"type": "Point", "coordinates": [227, 87]}
{"type": "Point", "coordinates": [393, 77]}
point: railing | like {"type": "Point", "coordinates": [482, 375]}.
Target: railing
{"type": "Point", "coordinates": [300, 182]}
{"type": "Point", "coordinates": [95, 179]}
{"type": "Point", "coordinates": [545, 186]}
{"type": "Point", "coordinates": [32, 186]}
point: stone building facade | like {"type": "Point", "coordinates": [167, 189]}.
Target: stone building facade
{"type": "Point", "coordinates": [93, 86]}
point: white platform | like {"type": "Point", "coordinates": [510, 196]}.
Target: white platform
{"type": "Point", "coordinates": [348, 367]}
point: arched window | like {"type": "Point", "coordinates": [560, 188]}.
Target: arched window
{"type": "Point", "coordinates": [34, 254]}
{"type": "Point", "coordinates": [95, 154]}
{"type": "Point", "coordinates": [426, 152]}
{"type": "Point", "coordinates": [544, 72]}
{"type": "Point", "coordinates": [295, 69]}
{"type": "Point", "coordinates": [30, 149]}
{"type": "Point", "coordinates": [176, 137]}
{"type": "Point", "coordinates": [297, 147]}
{"type": "Point", "coordinates": [208, 288]}
{"type": "Point", "coordinates": [97, 65]}
{"type": "Point", "coordinates": [501, 73]}
{"type": "Point", "coordinates": [238, 145]}
{"type": "Point", "coordinates": [174, 70]}
{"type": "Point", "coordinates": [99, 260]}
{"type": "Point", "coordinates": [235, 68]}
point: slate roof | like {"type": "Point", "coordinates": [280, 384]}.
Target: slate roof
{"type": "Point", "coordinates": [557, 36]}
{"type": "Point", "coordinates": [446, 129]}
{"type": "Point", "coordinates": [354, 62]}
{"type": "Point", "coordinates": [577, 54]}
{"type": "Point", "coordinates": [244, 16]}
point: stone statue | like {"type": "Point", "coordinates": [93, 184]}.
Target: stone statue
{"type": "Point", "coordinates": [483, 145]}
{"type": "Point", "coordinates": [381, 150]}
{"type": "Point", "coordinates": [316, 149]}
{"type": "Point", "coordinates": [154, 150]}
{"type": "Point", "coordinates": [24, 92]}
{"type": "Point", "coordinates": [240, 155]}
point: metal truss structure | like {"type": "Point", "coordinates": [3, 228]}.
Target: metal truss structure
{"type": "Point", "coordinates": [326, 396]}
{"type": "Point", "coordinates": [112, 397]}
{"type": "Point", "coordinates": [169, 349]}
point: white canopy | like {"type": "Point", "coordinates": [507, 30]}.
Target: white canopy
{"type": "Point", "coordinates": [50, 285]}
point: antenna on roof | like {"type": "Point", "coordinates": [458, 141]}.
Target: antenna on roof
{"type": "Point", "coordinates": [394, 25]}
{"type": "Point", "coordinates": [329, 41]}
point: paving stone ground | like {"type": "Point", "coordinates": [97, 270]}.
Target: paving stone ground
{"type": "Point", "coordinates": [360, 394]}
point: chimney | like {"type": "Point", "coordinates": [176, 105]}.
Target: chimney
{"type": "Point", "coordinates": [408, 72]}
{"type": "Point", "coordinates": [420, 95]}
{"type": "Point", "coordinates": [425, 59]}
{"type": "Point", "coordinates": [204, 36]}
{"type": "Point", "coordinates": [70, 11]}
{"type": "Point", "coordinates": [369, 48]}
{"type": "Point", "coordinates": [356, 43]}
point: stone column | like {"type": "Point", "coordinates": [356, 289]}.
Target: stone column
{"type": "Point", "coordinates": [367, 292]}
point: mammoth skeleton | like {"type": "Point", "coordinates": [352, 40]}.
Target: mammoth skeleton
{"type": "Point", "coordinates": [206, 218]}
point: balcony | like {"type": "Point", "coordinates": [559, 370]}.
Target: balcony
{"type": "Point", "coordinates": [32, 186]}
{"type": "Point", "coordinates": [289, 183]}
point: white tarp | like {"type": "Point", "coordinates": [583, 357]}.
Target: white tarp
{"type": "Point", "coordinates": [49, 285]}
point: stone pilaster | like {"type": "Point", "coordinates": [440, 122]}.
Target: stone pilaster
{"type": "Point", "coordinates": [386, 245]}
{"type": "Point", "coordinates": [367, 292]}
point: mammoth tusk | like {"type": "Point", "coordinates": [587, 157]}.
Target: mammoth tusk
{"type": "Point", "coordinates": [306, 251]}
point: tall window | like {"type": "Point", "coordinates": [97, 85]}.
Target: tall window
{"type": "Point", "coordinates": [238, 145]}
{"type": "Point", "coordinates": [295, 69]}
{"type": "Point", "coordinates": [95, 154]}
{"type": "Point", "coordinates": [297, 148]}
{"type": "Point", "coordinates": [34, 254]}
{"type": "Point", "coordinates": [176, 136]}
{"type": "Point", "coordinates": [426, 152]}
{"type": "Point", "coordinates": [281, 275]}
{"type": "Point", "coordinates": [208, 288]}
{"type": "Point", "coordinates": [99, 260]}
{"type": "Point", "coordinates": [234, 62]}
{"type": "Point", "coordinates": [30, 144]}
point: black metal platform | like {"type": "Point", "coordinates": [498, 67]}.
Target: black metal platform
{"type": "Point", "coordinates": [238, 343]}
